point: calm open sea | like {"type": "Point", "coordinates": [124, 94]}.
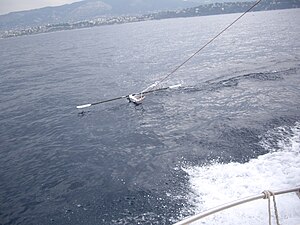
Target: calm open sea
{"type": "Point", "coordinates": [232, 129]}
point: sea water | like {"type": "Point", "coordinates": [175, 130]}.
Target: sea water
{"type": "Point", "coordinates": [230, 131]}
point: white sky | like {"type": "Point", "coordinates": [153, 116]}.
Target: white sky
{"type": "Point", "coordinates": [7, 6]}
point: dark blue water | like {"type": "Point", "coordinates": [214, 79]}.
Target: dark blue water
{"type": "Point", "coordinates": [118, 163]}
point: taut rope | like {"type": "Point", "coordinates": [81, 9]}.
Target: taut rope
{"type": "Point", "coordinates": [200, 49]}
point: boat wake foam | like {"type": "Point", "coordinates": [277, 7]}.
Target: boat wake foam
{"type": "Point", "coordinates": [216, 184]}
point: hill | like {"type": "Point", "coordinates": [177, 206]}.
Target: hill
{"type": "Point", "coordinates": [200, 10]}
{"type": "Point", "coordinates": [87, 10]}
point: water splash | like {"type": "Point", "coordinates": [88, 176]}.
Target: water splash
{"type": "Point", "coordinates": [216, 184]}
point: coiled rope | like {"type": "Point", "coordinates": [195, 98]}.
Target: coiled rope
{"type": "Point", "coordinates": [200, 49]}
{"type": "Point", "coordinates": [268, 195]}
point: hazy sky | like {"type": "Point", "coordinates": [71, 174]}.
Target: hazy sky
{"type": "Point", "coordinates": [7, 6]}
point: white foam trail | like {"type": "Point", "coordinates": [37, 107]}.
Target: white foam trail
{"type": "Point", "coordinates": [175, 86]}
{"type": "Point", "coordinates": [217, 184]}
{"type": "Point", "coordinates": [150, 87]}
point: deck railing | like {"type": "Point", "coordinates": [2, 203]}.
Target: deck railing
{"type": "Point", "coordinates": [263, 195]}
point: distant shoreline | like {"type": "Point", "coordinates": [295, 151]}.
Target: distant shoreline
{"type": "Point", "coordinates": [203, 10]}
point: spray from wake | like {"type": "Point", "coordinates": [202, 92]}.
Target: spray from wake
{"type": "Point", "coordinates": [216, 184]}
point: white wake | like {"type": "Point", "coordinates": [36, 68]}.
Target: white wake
{"type": "Point", "coordinates": [216, 184]}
